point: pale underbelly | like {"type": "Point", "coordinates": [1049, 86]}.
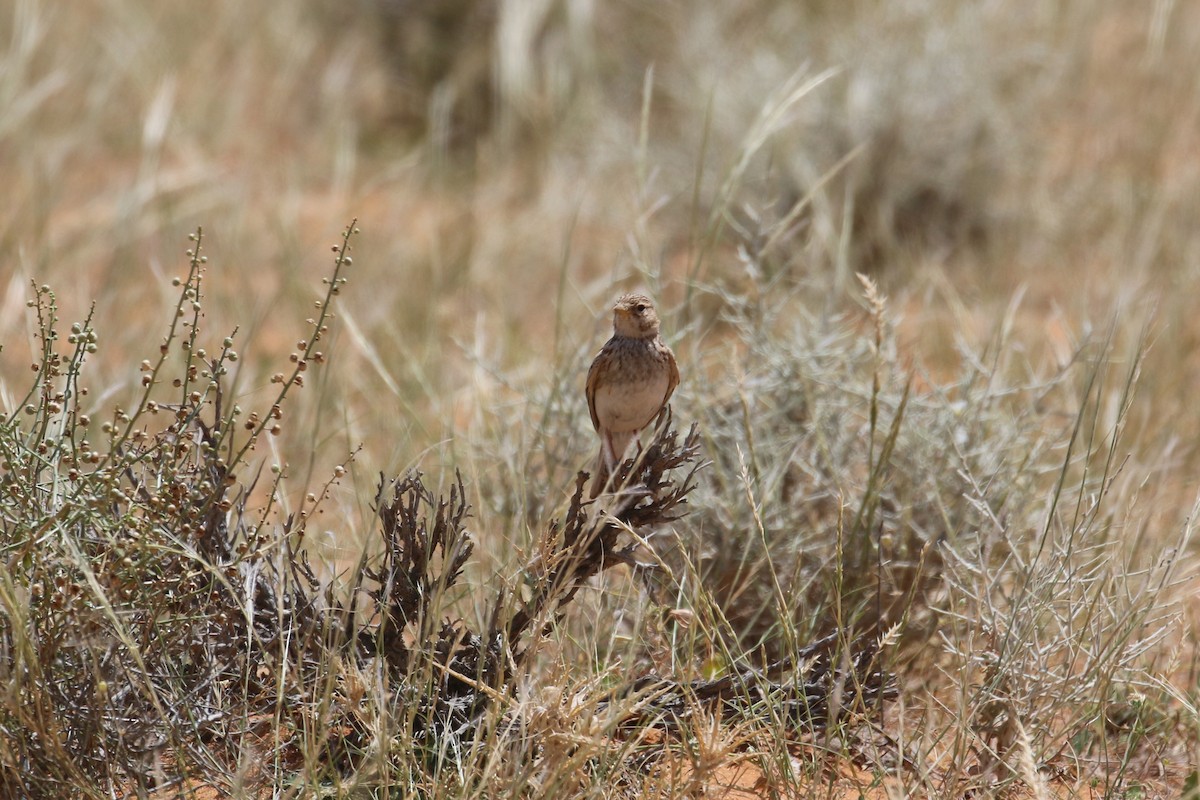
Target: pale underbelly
{"type": "Point", "coordinates": [630, 406]}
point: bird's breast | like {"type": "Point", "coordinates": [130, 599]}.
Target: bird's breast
{"type": "Point", "coordinates": [631, 404]}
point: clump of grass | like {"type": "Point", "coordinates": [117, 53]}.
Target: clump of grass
{"type": "Point", "coordinates": [142, 590]}
{"type": "Point", "coordinates": [835, 483]}
{"type": "Point", "coordinates": [1056, 616]}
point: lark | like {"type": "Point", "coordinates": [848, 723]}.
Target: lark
{"type": "Point", "coordinates": [629, 383]}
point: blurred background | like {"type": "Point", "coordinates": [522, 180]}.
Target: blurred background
{"type": "Point", "coordinates": [514, 164]}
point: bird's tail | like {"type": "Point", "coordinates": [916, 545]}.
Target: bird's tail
{"type": "Point", "coordinates": [601, 475]}
{"type": "Point", "coordinates": [612, 451]}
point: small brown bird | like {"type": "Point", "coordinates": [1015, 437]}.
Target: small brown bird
{"type": "Point", "coordinates": [629, 383]}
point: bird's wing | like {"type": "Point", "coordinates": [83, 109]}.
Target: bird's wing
{"type": "Point", "coordinates": [673, 379]}
{"type": "Point", "coordinates": [593, 381]}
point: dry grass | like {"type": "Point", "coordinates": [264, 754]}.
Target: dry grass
{"type": "Point", "coordinates": [985, 457]}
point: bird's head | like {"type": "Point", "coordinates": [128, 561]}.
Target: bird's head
{"type": "Point", "coordinates": [634, 316]}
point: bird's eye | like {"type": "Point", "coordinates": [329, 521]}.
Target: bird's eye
{"type": "Point", "coordinates": [640, 308]}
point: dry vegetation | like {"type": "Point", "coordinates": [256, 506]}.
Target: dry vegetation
{"type": "Point", "coordinates": [925, 533]}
